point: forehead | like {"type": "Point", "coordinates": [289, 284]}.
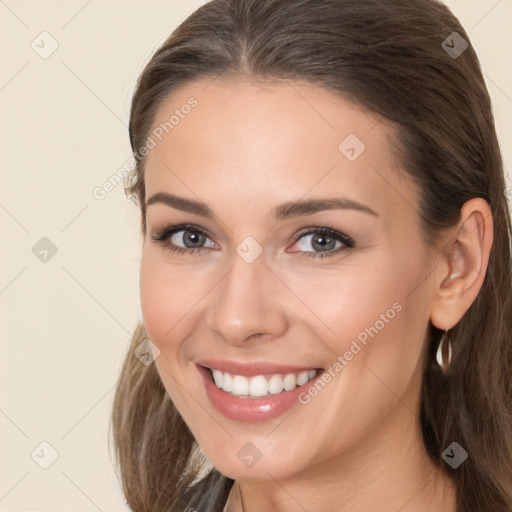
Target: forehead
{"type": "Point", "coordinates": [270, 140]}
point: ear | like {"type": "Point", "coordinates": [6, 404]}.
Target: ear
{"type": "Point", "coordinates": [462, 264]}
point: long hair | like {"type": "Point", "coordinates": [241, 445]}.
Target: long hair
{"type": "Point", "coordinates": [401, 60]}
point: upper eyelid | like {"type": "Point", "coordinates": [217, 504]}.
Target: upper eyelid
{"type": "Point", "coordinates": [171, 229]}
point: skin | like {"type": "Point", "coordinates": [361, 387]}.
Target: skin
{"type": "Point", "coordinates": [244, 149]}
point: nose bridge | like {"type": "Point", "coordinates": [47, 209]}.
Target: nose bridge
{"type": "Point", "coordinates": [247, 301]}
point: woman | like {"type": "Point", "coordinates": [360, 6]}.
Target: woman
{"type": "Point", "coordinates": [325, 274]}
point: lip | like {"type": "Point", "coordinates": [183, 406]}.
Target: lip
{"type": "Point", "coordinates": [253, 410]}
{"type": "Point", "coordinates": [252, 368]}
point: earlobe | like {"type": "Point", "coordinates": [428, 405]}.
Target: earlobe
{"type": "Point", "coordinates": [462, 264]}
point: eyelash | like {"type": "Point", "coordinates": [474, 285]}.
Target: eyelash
{"type": "Point", "coordinates": [161, 237]}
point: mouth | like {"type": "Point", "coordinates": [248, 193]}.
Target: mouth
{"type": "Point", "coordinates": [263, 385]}
{"type": "Point", "coordinates": [255, 391]}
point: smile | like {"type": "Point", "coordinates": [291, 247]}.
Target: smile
{"type": "Point", "coordinates": [260, 385]}
{"type": "Point", "coordinates": [253, 393]}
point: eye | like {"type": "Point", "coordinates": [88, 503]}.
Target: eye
{"type": "Point", "coordinates": [191, 239]}
{"type": "Point", "coordinates": [182, 239]}
{"type": "Point", "coordinates": [328, 242]}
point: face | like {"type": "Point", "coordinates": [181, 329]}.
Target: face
{"type": "Point", "coordinates": [282, 244]}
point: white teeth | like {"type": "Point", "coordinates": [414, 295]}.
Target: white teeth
{"type": "Point", "coordinates": [240, 385]}
{"type": "Point", "coordinates": [258, 385]}
{"type": "Point", "coordinates": [303, 377]}
{"type": "Point", "coordinates": [217, 377]}
{"type": "Point", "coordinates": [290, 382]}
{"type": "Point", "coordinates": [227, 382]}
{"type": "Point", "coordinates": [275, 384]}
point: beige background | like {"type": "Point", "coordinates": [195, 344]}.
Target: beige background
{"type": "Point", "coordinates": [66, 322]}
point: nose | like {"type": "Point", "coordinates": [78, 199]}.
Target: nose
{"type": "Point", "coordinates": [247, 305]}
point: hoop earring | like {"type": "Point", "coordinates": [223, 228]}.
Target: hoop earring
{"type": "Point", "coordinates": [439, 355]}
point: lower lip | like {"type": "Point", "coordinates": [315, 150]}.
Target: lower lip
{"type": "Point", "coordinates": [252, 410]}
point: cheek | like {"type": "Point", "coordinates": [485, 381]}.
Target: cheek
{"type": "Point", "coordinates": [173, 298]}
{"type": "Point", "coordinates": [377, 335]}
{"type": "Point", "coordinates": [369, 311]}
{"type": "Point", "coordinates": [165, 298]}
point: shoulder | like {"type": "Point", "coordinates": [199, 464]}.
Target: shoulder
{"type": "Point", "coordinates": [209, 494]}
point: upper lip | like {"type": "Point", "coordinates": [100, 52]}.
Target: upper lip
{"type": "Point", "coordinates": [250, 368]}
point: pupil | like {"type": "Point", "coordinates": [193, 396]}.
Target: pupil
{"type": "Point", "coordinates": [323, 242]}
{"type": "Point", "coordinates": [194, 238]}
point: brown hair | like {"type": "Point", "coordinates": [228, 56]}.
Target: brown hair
{"type": "Point", "coordinates": [388, 56]}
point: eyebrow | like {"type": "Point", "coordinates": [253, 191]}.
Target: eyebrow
{"type": "Point", "coordinates": [279, 213]}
